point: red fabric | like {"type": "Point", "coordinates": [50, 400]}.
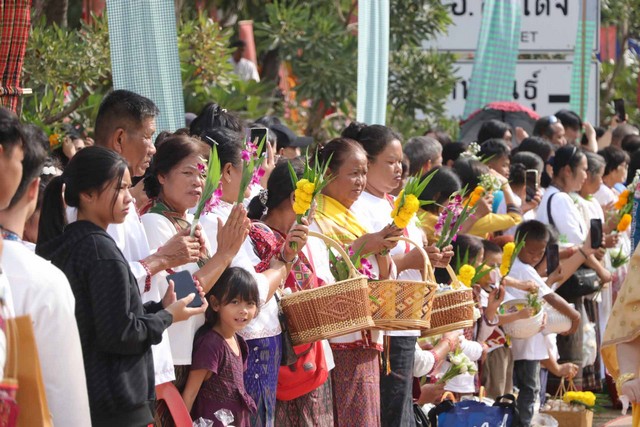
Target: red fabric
{"type": "Point", "coordinates": [16, 23]}
{"type": "Point", "coordinates": [608, 43]}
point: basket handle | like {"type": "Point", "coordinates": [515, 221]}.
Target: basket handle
{"type": "Point", "coordinates": [455, 283]}
{"type": "Point", "coordinates": [561, 390]}
{"type": "Point", "coordinates": [427, 270]}
{"type": "Point", "coordinates": [353, 272]}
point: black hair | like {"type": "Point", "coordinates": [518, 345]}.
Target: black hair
{"type": "Point", "coordinates": [533, 230]}
{"type": "Point", "coordinates": [279, 187]}
{"type": "Point", "coordinates": [469, 171]}
{"type": "Point", "coordinates": [238, 43]}
{"type": "Point", "coordinates": [34, 157]}
{"type": "Point", "coordinates": [634, 165]}
{"type": "Point", "coordinates": [595, 162]}
{"type": "Point", "coordinates": [443, 184]}
{"type": "Point", "coordinates": [537, 145]}
{"type": "Point", "coordinates": [600, 131]}
{"type": "Point", "coordinates": [214, 116]}
{"type": "Point", "coordinates": [172, 151]}
{"type": "Point", "coordinates": [543, 126]}
{"type": "Point", "coordinates": [452, 151]}
{"type": "Point", "coordinates": [613, 157]}
{"type": "Point", "coordinates": [269, 121]}
{"type": "Point", "coordinates": [464, 244]}
{"type": "Point", "coordinates": [567, 155]}
{"type": "Point", "coordinates": [494, 149]}
{"type": "Point", "coordinates": [631, 143]}
{"type": "Point", "coordinates": [373, 138]}
{"type": "Point", "coordinates": [491, 247]}
{"type": "Point", "coordinates": [229, 144]}
{"type": "Point", "coordinates": [235, 282]}
{"type": "Point", "coordinates": [90, 169]}
{"type": "Point", "coordinates": [569, 119]}
{"type": "Point", "coordinates": [10, 131]}
{"type": "Point", "coordinates": [492, 129]}
{"type": "Point", "coordinates": [420, 150]}
{"type": "Point", "coordinates": [121, 109]}
{"type": "Point", "coordinates": [522, 161]}
{"type": "Point", "coordinates": [440, 135]}
{"type": "Point", "coordinates": [339, 150]}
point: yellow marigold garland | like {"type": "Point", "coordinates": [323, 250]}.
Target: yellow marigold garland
{"type": "Point", "coordinates": [476, 195]}
{"type": "Point", "coordinates": [466, 275]}
{"type": "Point", "coordinates": [624, 223]}
{"type": "Point", "coordinates": [507, 254]}
{"type": "Point", "coordinates": [586, 398]}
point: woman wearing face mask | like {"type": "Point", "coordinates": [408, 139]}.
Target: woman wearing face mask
{"type": "Point", "coordinates": [373, 208]}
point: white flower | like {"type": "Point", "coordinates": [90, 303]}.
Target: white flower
{"type": "Point", "coordinates": [456, 360]}
{"type": "Point", "coordinates": [463, 368]}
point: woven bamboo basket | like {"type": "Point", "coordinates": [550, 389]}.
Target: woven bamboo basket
{"type": "Point", "coordinates": [452, 309]}
{"type": "Point", "coordinates": [329, 311]}
{"type": "Point", "coordinates": [404, 304]}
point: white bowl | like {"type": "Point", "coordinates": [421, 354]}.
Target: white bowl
{"type": "Point", "coordinates": [557, 323]}
{"type": "Point", "coordinates": [523, 328]}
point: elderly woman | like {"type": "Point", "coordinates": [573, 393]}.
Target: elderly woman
{"type": "Point", "coordinates": [276, 221]}
{"type": "Point", "coordinates": [356, 377]}
{"type": "Point", "coordinates": [174, 185]}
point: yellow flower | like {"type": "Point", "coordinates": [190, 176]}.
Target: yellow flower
{"type": "Point", "coordinates": [465, 275]}
{"type": "Point", "coordinates": [301, 183]}
{"type": "Point", "coordinates": [309, 188]}
{"type": "Point", "coordinates": [412, 203]}
{"type": "Point", "coordinates": [299, 209]}
{"type": "Point", "coordinates": [400, 222]}
{"type": "Point", "coordinates": [507, 253]}
{"type": "Point", "coordinates": [303, 197]}
{"type": "Point", "coordinates": [54, 139]}
{"type": "Point", "coordinates": [585, 397]}
{"type": "Point", "coordinates": [623, 198]}
{"type": "Point", "coordinates": [624, 223]}
{"type": "Point", "coordinates": [476, 195]}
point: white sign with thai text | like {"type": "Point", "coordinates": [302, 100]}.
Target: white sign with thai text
{"type": "Point", "coordinates": [547, 25]}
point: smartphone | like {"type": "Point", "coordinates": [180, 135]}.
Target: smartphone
{"type": "Point", "coordinates": [553, 258]}
{"type": "Point", "coordinates": [184, 285]}
{"type": "Point", "coordinates": [531, 184]}
{"type": "Point", "coordinates": [257, 134]}
{"type": "Point", "coordinates": [618, 107]}
{"type": "Point", "coordinates": [596, 233]}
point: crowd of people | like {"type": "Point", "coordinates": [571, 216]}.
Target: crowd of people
{"type": "Point", "coordinates": [90, 242]}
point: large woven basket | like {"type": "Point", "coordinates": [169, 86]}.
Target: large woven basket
{"type": "Point", "coordinates": [452, 309]}
{"type": "Point", "coordinates": [329, 311]}
{"type": "Point", "coordinates": [404, 304]}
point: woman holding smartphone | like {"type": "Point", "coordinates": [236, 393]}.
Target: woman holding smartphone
{"type": "Point", "coordinates": [116, 329]}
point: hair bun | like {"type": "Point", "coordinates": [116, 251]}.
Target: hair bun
{"type": "Point", "coordinates": [354, 130]}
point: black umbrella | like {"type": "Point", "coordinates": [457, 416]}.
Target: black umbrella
{"type": "Point", "coordinates": [512, 113]}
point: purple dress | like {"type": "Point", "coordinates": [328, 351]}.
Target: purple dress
{"type": "Point", "coordinates": [225, 388]}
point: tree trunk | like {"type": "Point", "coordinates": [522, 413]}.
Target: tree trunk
{"type": "Point", "coordinates": [316, 115]}
{"type": "Point", "coordinates": [56, 11]}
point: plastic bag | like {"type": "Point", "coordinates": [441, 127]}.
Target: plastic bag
{"type": "Point", "coordinates": [201, 422]}
{"type": "Point", "coordinates": [590, 345]}
{"type": "Point", "coordinates": [543, 420]}
{"type": "Point", "coordinates": [225, 416]}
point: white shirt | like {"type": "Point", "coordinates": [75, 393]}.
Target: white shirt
{"type": "Point", "coordinates": [131, 239]}
{"type": "Point", "coordinates": [320, 254]}
{"type": "Point", "coordinates": [528, 215]}
{"type": "Point", "coordinates": [266, 324]}
{"type": "Point", "coordinates": [566, 216]}
{"type": "Point", "coordinates": [605, 195]}
{"type": "Point", "coordinates": [463, 383]}
{"type": "Point", "coordinates": [533, 348]}
{"type": "Point", "coordinates": [42, 291]}
{"type": "Point", "coordinates": [374, 213]}
{"type": "Point", "coordinates": [245, 69]}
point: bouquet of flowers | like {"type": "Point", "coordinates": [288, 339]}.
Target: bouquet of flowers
{"type": "Point", "coordinates": [510, 252]}
{"type": "Point", "coordinates": [454, 214]}
{"type": "Point", "coordinates": [460, 364]}
{"type": "Point", "coordinates": [489, 182]}
{"type": "Point", "coordinates": [534, 302]}
{"type": "Point", "coordinates": [211, 193]}
{"type": "Point", "coordinates": [472, 151]}
{"type": "Point", "coordinates": [466, 273]}
{"type": "Point", "coordinates": [252, 169]}
{"type": "Point", "coordinates": [407, 203]}
{"type": "Point", "coordinates": [618, 259]}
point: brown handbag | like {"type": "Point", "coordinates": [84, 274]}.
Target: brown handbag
{"type": "Point", "coordinates": [31, 397]}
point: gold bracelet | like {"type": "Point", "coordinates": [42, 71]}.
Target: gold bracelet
{"type": "Point", "coordinates": [623, 379]}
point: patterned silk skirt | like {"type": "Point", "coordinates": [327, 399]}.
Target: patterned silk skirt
{"type": "Point", "coordinates": [261, 378]}
{"type": "Point", "coordinates": [356, 388]}
{"type": "Point", "coordinates": [314, 409]}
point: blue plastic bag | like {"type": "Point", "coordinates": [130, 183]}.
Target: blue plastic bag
{"type": "Point", "coordinates": [469, 413]}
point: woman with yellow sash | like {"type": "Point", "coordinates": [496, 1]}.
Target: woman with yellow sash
{"type": "Point", "coordinates": [621, 344]}
{"type": "Point", "coordinates": [355, 378]}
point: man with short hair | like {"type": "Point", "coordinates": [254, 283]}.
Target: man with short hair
{"type": "Point", "coordinates": [288, 144]}
{"type": "Point", "coordinates": [424, 153]}
{"type": "Point", "coordinates": [620, 131]}
{"type": "Point", "coordinates": [244, 68]}
{"type": "Point", "coordinates": [42, 291]}
{"type": "Point", "coordinates": [11, 155]}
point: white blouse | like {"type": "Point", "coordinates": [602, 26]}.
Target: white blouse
{"type": "Point", "coordinates": [566, 216]}
{"type": "Point", "coordinates": [180, 335]}
{"type": "Point", "coordinates": [267, 323]}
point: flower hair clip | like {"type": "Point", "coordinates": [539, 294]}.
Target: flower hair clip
{"type": "Point", "coordinates": [263, 196]}
{"type": "Point", "coordinates": [50, 170]}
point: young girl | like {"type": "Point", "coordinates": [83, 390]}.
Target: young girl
{"type": "Point", "coordinates": [219, 354]}
{"type": "Point", "coordinates": [116, 329]}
